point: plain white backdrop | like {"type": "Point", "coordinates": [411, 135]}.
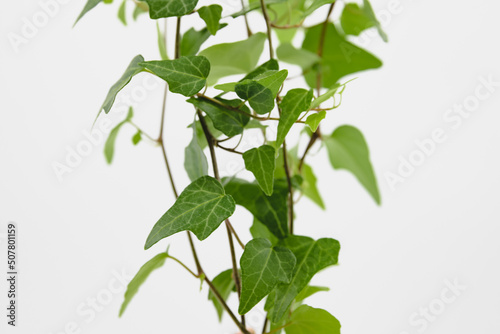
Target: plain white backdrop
{"type": "Point", "coordinates": [81, 238]}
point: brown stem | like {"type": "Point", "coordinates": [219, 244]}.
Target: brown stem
{"type": "Point", "coordinates": [178, 38]}
{"type": "Point", "coordinates": [268, 25]}
{"type": "Point", "coordinates": [249, 32]}
{"type": "Point", "coordinates": [313, 139]}
{"type": "Point", "coordinates": [290, 188]}
{"type": "Point", "coordinates": [264, 328]}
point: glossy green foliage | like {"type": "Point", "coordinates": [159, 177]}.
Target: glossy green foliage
{"type": "Point", "coordinates": [211, 15]}
{"type": "Point", "coordinates": [168, 8]}
{"type": "Point", "coordinates": [294, 103]}
{"type": "Point", "coordinates": [262, 268]}
{"type": "Point", "coordinates": [261, 162]}
{"type": "Point", "coordinates": [347, 149]}
{"type": "Point", "coordinates": [200, 208]}
{"type": "Point", "coordinates": [195, 161]}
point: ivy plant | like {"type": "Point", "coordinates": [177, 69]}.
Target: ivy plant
{"type": "Point", "coordinates": [276, 265]}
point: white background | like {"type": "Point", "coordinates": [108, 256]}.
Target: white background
{"type": "Point", "coordinates": [76, 235]}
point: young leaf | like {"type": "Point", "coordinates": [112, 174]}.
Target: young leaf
{"type": "Point", "coordinates": [259, 230]}
{"type": "Point", "coordinates": [162, 47]}
{"type": "Point", "coordinates": [167, 8]}
{"type": "Point", "coordinates": [109, 146]}
{"type": "Point", "coordinates": [307, 320]}
{"type": "Point", "coordinates": [261, 98]}
{"type": "Point", "coordinates": [340, 57]}
{"type": "Point", "coordinates": [200, 208]}
{"type": "Point", "coordinates": [211, 15]}
{"type": "Point", "coordinates": [308, 291]}
{"type": "Point", "coordinates": [185, 75]}
{"type": "Point", "coordinates": [355, 20]}
{"type": "Point", "coordinates": [88, 7]}
{"type": "Point", "coordinates": [313, 120]}
{"type": "Point", "coordinates": [261, 162]}
{"type": "Point", "coordinates": [294, 103]}
{"type": "Point", "coordinates": [347, 149]}
{"type": "Point", "coordinates": [325, 96]}
{"type": "Point", "coordinates": [137, 137]}
{"type": "Point", "coordinates": [228, 59]}
{"type": "Point", "coordinates": [195, 161]}
{"type": "Point", "coordinates": [224, 283]}
{"type": "Point", "coordinates": [312, 256]}
{"type": "Point", "coordinates": [192, 40]}
{"type": "Point", "coordinates": [272, 80]}
{"type": "Point", "coordinates": [133, 68]}
{"type": "Point", "coordinates": [262, 267]}
{"type": "Point", "coordinates": [309, 186]}
{"type": "Point", "coordinates": [223, 115]}
{"type": "Point", "coordinates": [272, 211]}
{"type": "Point", "coordinates": [270, 65]}
{"type": "Point", "coordinates": [141, 276]}
{"type": "Point", "coordinates": [122, 12]}
{"type": "Point", "coordinates": [287, 53]}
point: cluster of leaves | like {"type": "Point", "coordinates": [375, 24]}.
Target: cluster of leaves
{"type": "Point", "coordinates": [276, 265]}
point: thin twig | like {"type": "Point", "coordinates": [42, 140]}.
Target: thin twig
{"type": "Point", "coordinates": [183, 265]}
{"type": "Point", "coordinates": [313, 139]}
{"type": "Point", "coordinates": [322, 44]}
{"type": "Point", "coordinates": [290, 188]}
{"type": "Point", "coordinates": [141, 131]}
{"type": "Point", "coordinates": [268, 25]}
{"type": "Point", "coordinates": [249, 32]}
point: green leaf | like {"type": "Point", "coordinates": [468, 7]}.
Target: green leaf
{"type": "Point", "coordinates": [313, 120]}
{"type": "Point", "coordinates": [133, 68]}
{"type": "Point", "coordinates": [272, 80]}
{"type": "Point", "coordinates": [270, 65]}
{"type": "Point", "coordinates": [289, 54]}
{"type": "Point", "coordinates": [259, 230]}
{"type": "Point", "coordinates": [141, 276]}
{"type": "Point", "coordinates": [307, 320]}
{"type": "Point", "coordinates": [224, 283]}
{"type": "Point", "coordinates": [200, 134]}
{"type": "Point", "coordinates": [316, 103]}
{"type": "Point", "coordinates": [195, 161]}
{"type": "Point", "coordinates": [272, 211]}
{"type": "Point", "coordinates": [88, 7]}
{"type": "Point", "coordinates": [109, 146]}
{"type": "Point", "coordinates": [186, 75]}
{"type": "Point", "coordinates": [200, 208]}
{"type": "Point", "coordinates": [261, 162]}
{"type": "Point", "coordinates": [192, 40]}
{"type": "Point", "coordinates": [162, 47]}
{"type": "Point", "coordinates": [340, 57]}
{"type": "Point", "coordinates": [312, 256]}
{"type": "Point", "coordinates": [228, 59]}
{"type": "Point", "coordinates": [347, 149]}
{"type": "Point", "coordinates": [309, 186]}
{"type": "Point", "coordinates": [137, 137]}
{"type": "Point", "coordinates": [261, 98]}
{"type": "Point", "coordinates": [122, 12]}
{"type": "Point", "coordinates": [262, 267]}
{"type": "Point", "coordinates": [308, 291]}
{"type": "Point", "coordinates": [315, 5]}
{"type": "Point", "coordinates": [167, 8]}
{"type": "Point", "coordinates": [211, 15]}
{"type": "Point", "coordinates": [294, 103]}
{"type": "Point", "coordinates": [255, 124]}
{"type": "Point", "coordinates": [223, 114]}
{"type": "Point", "coordinates": [356, 19]}
{"type": "Point", "coordinates": [140, 8]}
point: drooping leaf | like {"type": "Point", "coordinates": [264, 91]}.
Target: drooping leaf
{"type": "Point", "coordinates": [307, 320]}
{"type": "Point", "coordinates": [294, 103]}
{"type": "Point", "coordinates": [261, 98]}
{"type": "Point", "coordinates": [289, 54]}
{"type": "Point", "coordinates": [272, 211]}
{"type": "Point", "coordinates": [109, 145]}
{"type": "Point", "coordinates": [141, 276]}
{"type": "Point", "coordinates": [122, 12]}
{"type": "Point", "coordinates": [200, 208]}
{"type": "Point", "coordinates": [313, 120]}
{"type": "Point", "coordinates": [259, 230]}
{"type": "Point", "coordinates": [347, 149]}
{"type": "Point", "coordinates": [211, 15]}
{"type": "Point", "coordinates": [195, 161]}
{"type": "Point", "coordinates": [224, 283]}
{"type": "Point", "coordinates": [137, 137]}
{"type": "Point", "coordinates": [88, 7]}
{"type": "Point", "coordinates": [262, 267]}
{"type": "Point", "coordinates": [133, 68]}
{"type": "Point", "coordinates": [223, 114]}
{"type": "Point", "coordinates": [261, 162]}
{"type": "Point", "coordinates": [312, 256]}
{"type": "Point", "coordinates": [162, 47]}
{"type": "Point", "coordinates": [185, 75]}
{"type": "Point", "coordinates": [309, 186]}
{"type": "Point", "coordinates": [356, 19]}
{"type": "Point", "coordinates": [308, 291]}
{"type": "Point", "coordinates": [192, 40]}
{"type": "Point", "coordinates": [340, 57]}
{"type": "Point", "coordinates": [228, 59]}
{"type": "Point", "coordinates": [167, 8]}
